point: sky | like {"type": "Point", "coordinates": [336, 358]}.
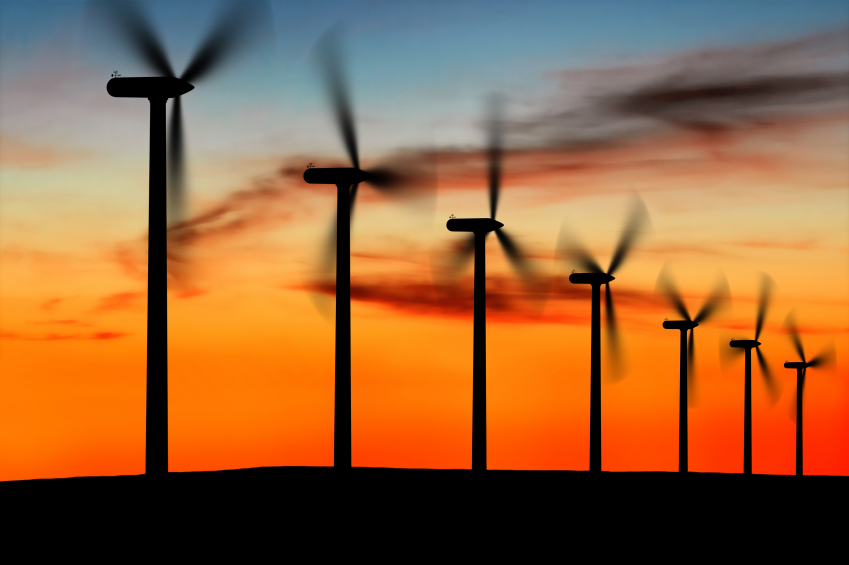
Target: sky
{"type": "Point", "coordinates": [728, 119]}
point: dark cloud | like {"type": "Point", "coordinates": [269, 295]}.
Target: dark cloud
{"type": "Point", "coordinates": [507, 299]}
{"type": "Point", "coordinates": [708, 90]}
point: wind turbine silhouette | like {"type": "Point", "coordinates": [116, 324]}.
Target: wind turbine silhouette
{"type": "Point", "coordinates": [347, 180]}
{"type": "Point", "coordinates": [747, 345]}
{"type": "Point", "coordinates": [570, 249]}
{"type": "Point", "coordinates": [475, 244]}
{"type": "Point", "coordinates": [822, 360]}
{"type": "Point", "coordinates": [230, 30]}
{"type": "Point", "coordinates": [720, 295]}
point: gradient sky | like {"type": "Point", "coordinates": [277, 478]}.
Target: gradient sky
{"type": "Point", "coordinates": [728, 118]}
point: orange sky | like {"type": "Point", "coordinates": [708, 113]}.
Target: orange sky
{"type": "Point", "coordinates": [754, 182]}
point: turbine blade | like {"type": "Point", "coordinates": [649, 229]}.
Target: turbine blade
{"type": "Point", "coordinates": [352, 199]}
{"type": "Point", "coordinates": [235, 27]}
{"type": "Point", "coordinates": [323, 283]}
{"type": "Point", "coordinates": [458, 258]}
{"type": "Point", "coordinates": [494, 152]}
{"type": "Point", "coordinates": [793, 330]}
{"type": "Point", "coordinates": [572, 251]}
{"type": "Point", "coordinates": [409, 178]}
{"type": "Point", "coordinates": [637, 221]}
{"type": "Point", "coordinates": [691, 371]}
{"type": "Point", "coordinates": [176, 178]}
{"type": "Point", "coordinates": [825, 359]}
{"type": "Point", "coordinates": [134, 27]}
{"type": "Point", "coordinates": [771, 383]}
{"type": "Point", "coordinates": [517, 259]}
{"type": "Point", "coordinates": [612, 335]}
{"type": "Point", "coordinates": [767, 285]}
{"type": "Point", "coordinates": [720, 296]}
{"type": "Point", "coordinates": [728, 354]}
{"type": "Point", "coordinates": [666, 286]}
{"type": "Point", "coordinates": [330, 60]}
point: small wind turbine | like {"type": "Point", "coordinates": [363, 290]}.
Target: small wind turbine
{"type": "Point", "coordinates": [475, 244]}
{"type": "Point", "coordinates": [686, 392]}
{"type": "Point", "coordinates": [347, 181]}
{"type": "Point", "coordinates": [747, 345]}
{"type": "Point", "coordinates": [822, 360]}
{"type": "Point", "coordinates": [231, 29]}
{"type": "Point", "coordinates": [571, 250]}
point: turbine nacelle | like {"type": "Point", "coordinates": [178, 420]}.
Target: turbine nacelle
{"type": "Point", "coordinates": [744, 343]}
{"type": "Point", "coordinates": [679, 325]}
{"type": "Point", "coordinates": [796, 365]}
{"type": "Point", "coordinates": [148, 87]}
{"type": "Point", "coordinates": [590, 278]}
{"type": "Point", "coordinates": [475, 225]}
{"type": "Point", "coordinates": [341, 176]}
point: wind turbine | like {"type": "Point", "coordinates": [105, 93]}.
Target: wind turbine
{"type": "Point", "coordinates": [823, 359]}
{"type": "Point", "coordinates": [747, 345]}
{"type": "Point", "coordinates": [686, 394]}
{"type": "Point", "coordinates": [347, 181]}
{"type": "Point", "coordinates": [229, 32]}
{"type": "Point", "coordinates": [570, 249]}
{"type": "Point", "coordinates": [475, 244]}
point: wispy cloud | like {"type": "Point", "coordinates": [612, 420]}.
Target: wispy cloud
{"type": "Point", "coordinates": [96, 336]}
{"type": "Point", "coordinates": [18, 154]}
{"type": "Point", "coordinates": [805, 245]}
{"type": "Point", "coordinates": [121, 301]}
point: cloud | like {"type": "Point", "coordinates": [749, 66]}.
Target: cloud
{"type": "Point", "coordinates": [790, 245]}
{"type": "Point", "coordinates": [120, 301]}
{"type": "Point", "coordinates": [63, 323]}
{"type": "Point", "coordinates": [507, 299]}
{"type": "Point", "coordinates": [96, 336]}
{"type": "Point", "coordinates": [705, 91]}
{"type": "Point", "coordinates": [18, 154]}
{"type": "Point", "coordinates": [51, 304]}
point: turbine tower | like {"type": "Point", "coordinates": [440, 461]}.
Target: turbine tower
{"type": "Point", "coordinates": [475, 244]}
{"type": "Point", "coordinates": [746, 345]}
{"type": "Point", "coordinates": [134, 28]}
{"type": "Point", "coordinates": [822, 360]}
{"type": "Point", "coordinates": [686, 390]}
{"type": "Point", "coordinates": [347, 180]}
{"type": "Point", "coordinates": [571, 250]}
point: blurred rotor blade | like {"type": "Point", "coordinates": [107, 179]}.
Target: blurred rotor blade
{"type": "Point", "coordinates": [352, 199]}
{"type": "Point", "coordinates": [691, 370]}
{"type": "Point", "coordinates": [793, 414]}
{"type": "Point", "coordinates": [409, 176]}
{"type": "Point", "coordinates": [236, 26]}
{"type": "Point", "coordinates": [324, 280]}
{"type": "Point", "coordinates": [771, 383]}
{"type": "Point", "coordinates": [728, 354]}
{"type": "Point", "coordinates": [793, 330]}
{"type": "Point", "coordinates": [825, 359]}
{"type": "Point", "coordinates": [494, 153]}
{"type": "Point", "coordinates": [514, 254]}
{"type": "Point", "coordinates": [176, 178]}
{"type": "Point", "coordinates": [767, 285]}
{"type": "Point", "coordinates": [330, 60]}
{"type": "Point", "coordinates": [133, 25]}
{"type": "Point", "coordinates": [459, 256]}
{"type": "Point", "coordinates": [720, 296]}
{"type": "Point", "coordinates": [637, 221]}
{"type": "Point", "coordinates": [571, 250]}
{"type": "Point", "coordinates": [612, 332]}
{"type": "Point", "coordinates": [667, 287]}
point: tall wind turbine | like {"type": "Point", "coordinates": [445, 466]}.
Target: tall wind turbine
{"type": "Point", "coordinates": [230, 31]}
{"type": "Point", "coordinates": [347, 180]}
{"type": "Point", "coordinates": [571, 250]}
{"type": "Point", "coordinates": [475, 244]}
{"type": "Point", "coordinates": [822, 360]}
{"type": "Point", "coordinates": [686, 391]}
{"type": "Point", "coordinates": [747, 345]}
